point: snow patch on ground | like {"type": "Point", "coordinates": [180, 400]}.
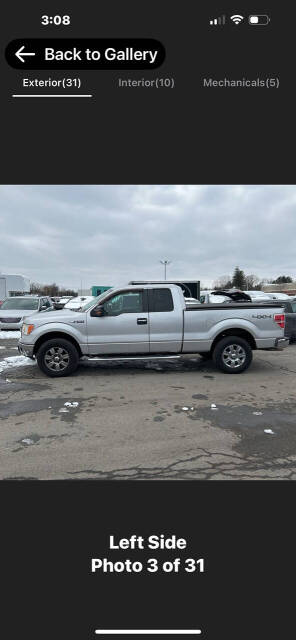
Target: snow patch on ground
{"type": "Point", "coordinates": [67, 406]}
{"type": "Point", "coordinates": [7, 335]}
{"type": "Point", "coordinates": [15, 361]}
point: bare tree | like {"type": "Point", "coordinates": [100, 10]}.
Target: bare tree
{"type": "Point", "coordinates": [224, 282]}
{"type": "Point", "coordinates": [252, 281]}
{"type": "Point", "coordinates": [36, 288]}
{"type": "Point", "coordinates": [50, 290]}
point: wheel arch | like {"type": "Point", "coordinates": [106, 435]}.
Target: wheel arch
{"type": "Point", "coordinates": [240, 333]}
{"type": "Point", "coordinates": [51, 335]}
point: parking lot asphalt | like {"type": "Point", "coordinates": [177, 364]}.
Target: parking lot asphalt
{"type": "Point", "coordinates": [170, 421]}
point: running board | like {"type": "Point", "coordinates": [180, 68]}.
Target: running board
{"type": "Point", "coordinates": [109, 358]}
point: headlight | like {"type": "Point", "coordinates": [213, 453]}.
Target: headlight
{"type": "Point", "coordinates": [27, 329]}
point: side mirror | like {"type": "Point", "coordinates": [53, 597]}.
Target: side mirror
{"type": "Point", "coordinates": [98, 312]}
{"type": "Point", "coordinates": [43, 307]}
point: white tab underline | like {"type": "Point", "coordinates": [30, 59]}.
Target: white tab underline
{"type": "Point", "coordinates": [52, 95]}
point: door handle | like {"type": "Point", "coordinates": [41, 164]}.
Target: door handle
{"type": "Point", "coordinates": [142, 321]}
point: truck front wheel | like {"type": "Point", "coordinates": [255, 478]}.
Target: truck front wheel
{"type": "Point", "coordinates": [232, 355]}
{"type": "Point", "coordinates": [57, 358]}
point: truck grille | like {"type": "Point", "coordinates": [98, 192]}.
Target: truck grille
{"type": "Point", "coordinates": [10, 320]}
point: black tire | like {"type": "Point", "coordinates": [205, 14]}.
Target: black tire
{"type": "Point", "coordinates": [232, 355]}
{"type": "Point", "coordinates": [51, 350]}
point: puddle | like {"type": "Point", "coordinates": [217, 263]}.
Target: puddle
{"type": "Point", "coordinates": [252, 427]}
{"type": "Point", "coordinates": [22, 407]}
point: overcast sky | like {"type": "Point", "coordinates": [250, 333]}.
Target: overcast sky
{"type": "Point", "coordinates": [112, 234]}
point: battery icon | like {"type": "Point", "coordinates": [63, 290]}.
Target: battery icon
{"type": "Point", "coordinates": [259, 20]}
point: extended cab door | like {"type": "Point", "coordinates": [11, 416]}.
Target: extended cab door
{"type": "Point", "coordinates": [123, 327]}
{"type": "Point", "coordinates": [165, 320]}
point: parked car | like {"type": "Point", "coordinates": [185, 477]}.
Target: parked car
{"type": "Point", "coordinates": [13, 310]}
{"type": "Point", "coordinates": [219, 296]}
{"type": "Point", "coordinates": [236, 295]}
{"type": "Point", "coordinates": [191, 301]}
{"type": "Point", "coordinates": [279, 296]}
{"type": "Point", "coordinates": [62, 301]}
{"type": "Point", "coordinates": [206, 297]}
{"type": "Point", "coordinates": [55, 301]}
{"type": "Point", "coordinates": [78, 302]}
{"type": "Point", "coordinates": [151, 322]}
{"type": "Point", "coordinates": [256, 294]}
{"type": "Point", "coordinates": [259, 296]}
{"type": "Point", "coordinates": [290, 313]}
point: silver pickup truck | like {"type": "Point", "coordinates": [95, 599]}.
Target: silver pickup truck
{"type": "Point", "coordinates": [151, 322]}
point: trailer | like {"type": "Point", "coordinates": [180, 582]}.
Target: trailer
{"type": "Point", "coordinates": [190, 288]}
{"type": "Point", "coordinates": [13, 285]}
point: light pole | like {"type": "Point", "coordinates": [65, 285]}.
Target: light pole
{"type": "Point", "coordinates": [165, 264]}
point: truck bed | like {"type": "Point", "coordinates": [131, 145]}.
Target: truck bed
{"type": "Point", "coordinates": [234, 305]}
{"type": "Point", "coordinates": [250, 320]}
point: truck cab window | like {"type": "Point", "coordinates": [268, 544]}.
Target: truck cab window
{"type": "Point", "coordinates": [160, 300]}
{"type": "Point", "coordinates": [126, 302]}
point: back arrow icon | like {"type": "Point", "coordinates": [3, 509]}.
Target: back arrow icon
{"type": "Point", "coordinates": [20, 53]}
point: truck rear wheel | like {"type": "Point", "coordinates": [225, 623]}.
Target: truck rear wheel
{"type": "Point", "coordinates": [57, 358]}
{"type": "Point", "coordinates": [232, 354]}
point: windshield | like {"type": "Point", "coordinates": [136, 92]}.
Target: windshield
{"type": "Point", "coordinates": [95, 301]}
{"type": "Point", "coordinates": [27, 304]}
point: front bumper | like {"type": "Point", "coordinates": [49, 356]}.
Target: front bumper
{"type": "Point", "coordinates": [26, 349]}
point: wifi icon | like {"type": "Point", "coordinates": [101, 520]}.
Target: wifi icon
{"type": "Point", "coordinates": [237, 19]}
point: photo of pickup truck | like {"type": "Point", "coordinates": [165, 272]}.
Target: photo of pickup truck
{"type": "Point", "coordinates": [152, 322]}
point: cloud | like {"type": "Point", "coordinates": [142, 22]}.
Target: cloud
{"type": "Point", "coordinates": [112, 234]}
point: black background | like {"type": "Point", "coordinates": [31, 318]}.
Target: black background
{"type": "Point", "coordinates": [245, 531]}
{"type": "Point", "coordinates": [184, 135]}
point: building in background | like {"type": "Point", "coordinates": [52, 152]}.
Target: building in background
{"type": "Point", "coordinates": [13, 285]}
{"type": "Point", "coordinates": [284, 287]}
{"type": "Point", "coordinates": [97, 289]}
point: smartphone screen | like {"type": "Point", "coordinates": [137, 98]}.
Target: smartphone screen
{"type": "Point", "coordinates": [147, 320]}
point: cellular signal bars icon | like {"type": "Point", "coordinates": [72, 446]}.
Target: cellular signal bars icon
{"type": "Point", "coordinates": [218, 21]}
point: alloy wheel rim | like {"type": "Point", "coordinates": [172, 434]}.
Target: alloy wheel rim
{"type": "Point", "coordinates": [57, 359]}
{"type": "Point", "coordinates": [234, 356]}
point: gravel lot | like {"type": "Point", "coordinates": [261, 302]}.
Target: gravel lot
{"type": "Point", "coordinates": [148, 421]}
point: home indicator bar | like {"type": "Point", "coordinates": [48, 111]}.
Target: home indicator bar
{"type": "Point", "coordinates": [148, 632]}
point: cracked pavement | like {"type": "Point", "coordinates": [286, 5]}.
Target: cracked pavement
{"type": "Point", "coordinates": [145, 421]}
